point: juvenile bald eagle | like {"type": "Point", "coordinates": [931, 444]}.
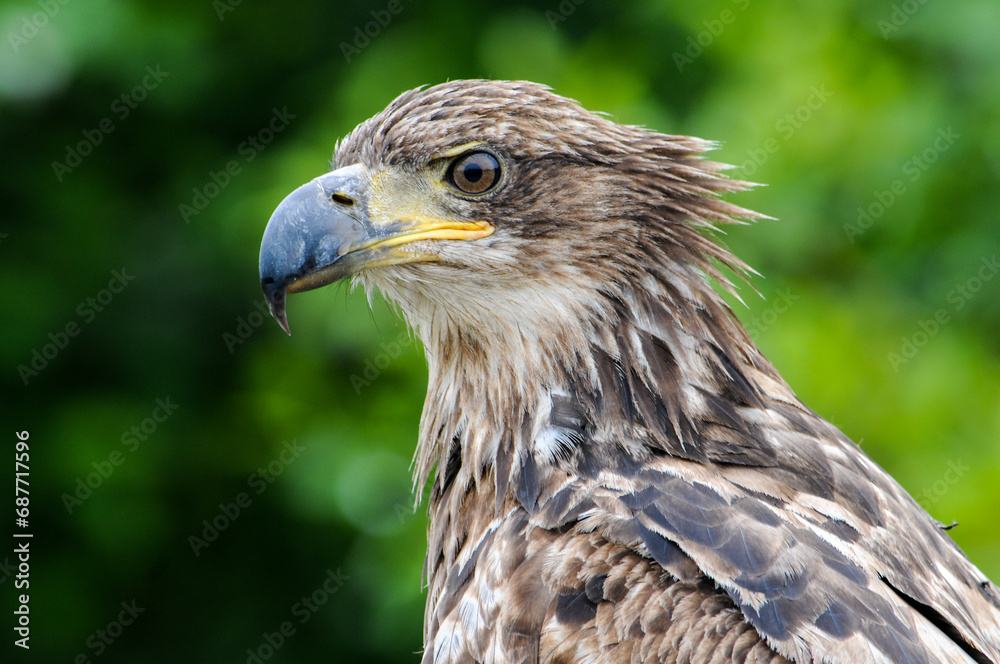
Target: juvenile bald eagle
{"type": "Point", "coordinates": [618, 474]}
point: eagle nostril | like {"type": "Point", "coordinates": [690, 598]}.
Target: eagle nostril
{"type": "Point", "coordinates": [342, 199]}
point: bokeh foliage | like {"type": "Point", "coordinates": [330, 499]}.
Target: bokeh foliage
{"type": "Point", "coordinates": [828, 103]}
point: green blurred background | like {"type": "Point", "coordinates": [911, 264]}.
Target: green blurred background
{"type": "Point", "coordinates": [876, 126]}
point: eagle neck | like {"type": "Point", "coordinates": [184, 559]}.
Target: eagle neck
{"type": "Point", "coordinates": [625, 364]}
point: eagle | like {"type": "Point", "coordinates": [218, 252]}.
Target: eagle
{"type": "Point", "coordinates": [617, 474]}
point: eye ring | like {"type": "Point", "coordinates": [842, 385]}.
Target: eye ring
{"type": "Point", "coordinates": [475, 173]}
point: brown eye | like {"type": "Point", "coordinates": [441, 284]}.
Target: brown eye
{"type": "Point", "coordinates": [475, 173]}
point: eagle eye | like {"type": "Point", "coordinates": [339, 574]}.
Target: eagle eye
{"type": "Point", "coordinates": [475, 172]}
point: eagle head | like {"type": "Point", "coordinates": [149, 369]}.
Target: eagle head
{"type": "Point", "coordinates": [485, 208]}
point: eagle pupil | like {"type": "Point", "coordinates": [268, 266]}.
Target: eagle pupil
{"type": "Point", "coordinates": [473, 173]}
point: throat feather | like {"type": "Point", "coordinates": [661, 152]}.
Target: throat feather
{"type": "Point", "coordinates": [640, 373]}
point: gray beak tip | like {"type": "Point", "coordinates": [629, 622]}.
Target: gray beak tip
{"type": "Point", "coordinates": [274, 294]}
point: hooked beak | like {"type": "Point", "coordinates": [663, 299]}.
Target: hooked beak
{"type": "Point", "coordinates": [322, 232]}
